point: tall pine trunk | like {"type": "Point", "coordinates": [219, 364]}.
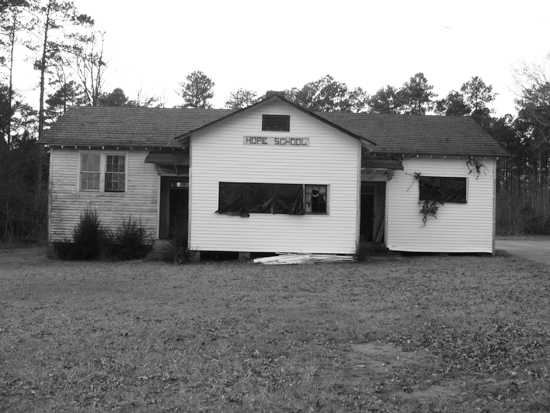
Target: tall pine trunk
{"type": "Point", "coordinates": [43, 73]}
{"type": "Point", "coordinates": [10, 81]}
{"type": "Point", "coordinates": [43, 61]}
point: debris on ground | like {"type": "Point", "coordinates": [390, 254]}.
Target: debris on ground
{"type": "Point", "coordinates": [283, 259]}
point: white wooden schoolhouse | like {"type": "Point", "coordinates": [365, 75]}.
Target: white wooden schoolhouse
{"type": "Point", "coordinates": [276, 177]}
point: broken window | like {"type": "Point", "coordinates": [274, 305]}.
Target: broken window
{"type": "Point", "coordinates": [236, 198]}
{"type": "Point", "coordinates": [442, 189]}
{"type": "Point", "coordinates": [315, 199]}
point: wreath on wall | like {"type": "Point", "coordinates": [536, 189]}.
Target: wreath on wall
{"type": "Point", "coordinates": [475, 166]}
{"type": "Point", "coordinates": [429, 208]}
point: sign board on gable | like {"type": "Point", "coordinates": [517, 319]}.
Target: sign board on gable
{"type": "Point", "coordinates": [275, 140]}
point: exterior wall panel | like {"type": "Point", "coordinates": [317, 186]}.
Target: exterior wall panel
{"type": "Point", "coordinates": [140, 201]}
{"type": "Point", "coordinates": [219, 154]}
{"type": "Point", "coordinates": [458, 227]}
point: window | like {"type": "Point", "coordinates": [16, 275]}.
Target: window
{"type": "Point", "coordinates": [442, 189]}
{"type": "Point", "coordinates": [115, 173]}
{"type": "Point", "coordinates": [276, 123]}
{"type": "Point", "coordinates": [236, 198]}
{"type": "Point", "coordinates": [315, 199]}
{"type": "Point", "coordinates": [245, 198]}
{"type": "Point", "coordinates": [89, 171]}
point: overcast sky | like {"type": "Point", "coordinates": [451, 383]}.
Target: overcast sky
{"type": "Point", "coordinates": [274, 45]}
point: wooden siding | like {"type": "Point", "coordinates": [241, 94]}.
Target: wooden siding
{"type": "Point", "coordinates": [67, 203]}
{"type": "Point", "coordinates": [332, 158]}
{"type": "Point", "coordinates": [458, 227]}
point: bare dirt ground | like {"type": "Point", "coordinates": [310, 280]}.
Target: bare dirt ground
{"type": "Point", "coordinates": [416, 334]}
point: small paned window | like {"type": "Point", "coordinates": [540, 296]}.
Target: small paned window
{"type": "Point", "coordinates": [442, 189]}
{"type": "Point", "coordinates": [276, 123]}
{"type": "Point", "coordinates": [89, 171]}
{"type": "Point", "coordinates": [115, 173]}
{"type": "Point", "coordinates": [315, 199]}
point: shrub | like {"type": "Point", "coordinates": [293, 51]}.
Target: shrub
{"type": "Point", "coordinates": [130, 241]}
{"type": "Point", "coordinates": [89, 237]}
{"type": "Point", "coordinates": [92, 241]}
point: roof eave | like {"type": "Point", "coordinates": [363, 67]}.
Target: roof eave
{"type": "Point", "coordinates": [441, 155]}
{"type": "Point", "coordinates": [142, 147]}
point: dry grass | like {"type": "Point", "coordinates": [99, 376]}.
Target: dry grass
{"type": "Point", "coordinates": [413, 334]}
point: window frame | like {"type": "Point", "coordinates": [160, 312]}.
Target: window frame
{"type": "Point", "coordinates": [247, 211]}
{"type": "Point", "coordinates": [123, 155]}
{"type": "Point", "coordinates": [303, 189]}
{"type": "Point", "coordinates": [327, 199]}
{"type": "Point", "coordinates": [466, 184]}
{"type": "Point", "coordinates": [102, 170]}
{"type": "Point", "coordinates": [80, 155]}
{"type": "Point", "coordinates": [279, 115]}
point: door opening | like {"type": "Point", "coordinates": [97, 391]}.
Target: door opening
{"type": "Point", "coordinates": [373, 210]}
{"type": "Point", "coordinates": [173, 215]}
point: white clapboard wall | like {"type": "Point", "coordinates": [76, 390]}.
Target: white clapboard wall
{"type": "Point", "coordinates": [458, 227]}
{"type": "Point", "coordinates": [220, 154]}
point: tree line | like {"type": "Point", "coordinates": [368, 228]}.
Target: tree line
{"type": "Point", "coordinates": [65, 48]}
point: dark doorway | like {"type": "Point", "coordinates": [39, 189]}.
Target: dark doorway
{"type": "Point", "coordinates": [173, 216]}
{"type": "Point", "coordinates": [373, 211]}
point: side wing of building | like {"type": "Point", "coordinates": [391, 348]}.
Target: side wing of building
{"type": "Point", "coordinates": [458, 226]}
{"type": "Point", "coordinates": [137, 191]}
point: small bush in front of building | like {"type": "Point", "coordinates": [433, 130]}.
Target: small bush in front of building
{"type": "Point", "coordinates": [129, 242]}
{"type": "Point", "coordinates": [92, 241]}
{"type": "Point", "coordinates": [89, 237]}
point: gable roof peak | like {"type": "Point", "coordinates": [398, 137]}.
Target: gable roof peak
{"type": "Point", "coordinates": [368, 143]}
{"type": "Point", "coordinates": [271, 93]}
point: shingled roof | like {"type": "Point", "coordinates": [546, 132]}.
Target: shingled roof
{"type": "Point", "coordinates": [426, 135]}
{"type": "Point", "coordinates": [125, 126]}
{"type": "Point", "coordinates": [153, 127]}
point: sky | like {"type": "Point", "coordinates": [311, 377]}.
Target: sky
{"type": "Point", "coordinates": [150, 46]}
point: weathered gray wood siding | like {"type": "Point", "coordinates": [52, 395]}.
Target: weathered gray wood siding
{"type": "Point", "coordinates": [67, 202]}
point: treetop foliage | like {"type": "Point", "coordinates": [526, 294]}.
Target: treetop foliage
{"type": "Point", "coordinates": [328, 95]}
{"type": "Point", "coordinates": [240, 99]}
{"type": "Point", "coordinates": [197, 90]}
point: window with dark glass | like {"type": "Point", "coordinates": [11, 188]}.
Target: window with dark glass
{"type": "Point", "coordinates": [115, 173]}
{"type": "Point", "coordinates": [243, 199]}
{"type": "Point", "coordinates": [442, 189]}
{"type": "Point", "coordinates": [276, 123]}
{"type": "Point", "coordinates": [315, 199]}
{"type": "Point", "coordinates": [236, 198]}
